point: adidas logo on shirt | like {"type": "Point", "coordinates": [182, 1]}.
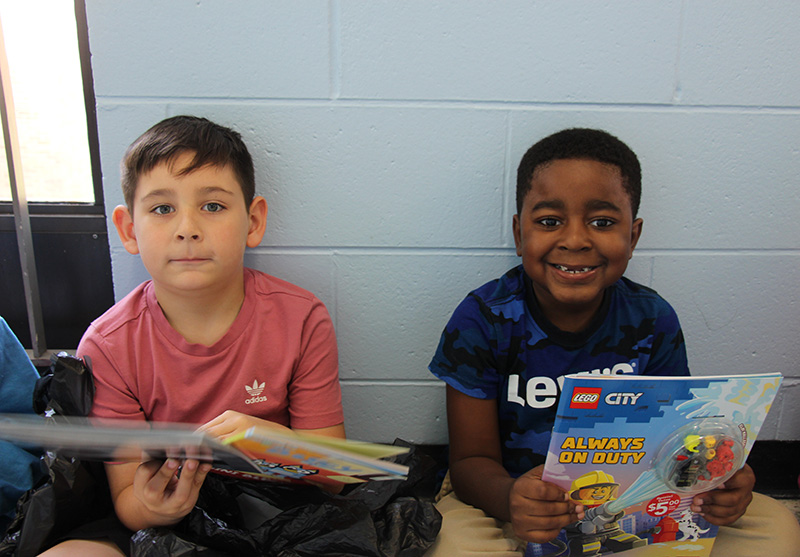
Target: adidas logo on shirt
{"type": "Point", "coordinates": [255, 391]}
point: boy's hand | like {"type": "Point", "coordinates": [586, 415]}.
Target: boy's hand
{"type": "Point", "coordinates": [539, 509]}
{"type": "Point", "coordinates": [231, 422]}
{"type": "Point", "coordinates": [726, 504]}
{"type": "Point", "coordinates": [167, 493]}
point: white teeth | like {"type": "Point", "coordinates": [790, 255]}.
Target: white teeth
{"type": "Point", "coordinates": [573, 271]}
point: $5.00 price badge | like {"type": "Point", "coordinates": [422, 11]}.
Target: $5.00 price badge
{"type": "Point", "coordinates": [663, 504]}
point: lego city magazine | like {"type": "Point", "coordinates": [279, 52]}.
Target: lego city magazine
{"type": "Point", "coordinates": [260, 454]}
{"type": "Point", "coordinates": [634, 450]}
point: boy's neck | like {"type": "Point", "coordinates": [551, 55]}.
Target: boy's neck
{"type": "Point", "coordinates": [202, 317]}
{"type": "Point", "coordinates": [567, 324]}
{"type": "Point", "coordinates": [574, 321]}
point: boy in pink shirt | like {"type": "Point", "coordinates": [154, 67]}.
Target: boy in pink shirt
{"type": "Point", "coordinates": [206, 340]}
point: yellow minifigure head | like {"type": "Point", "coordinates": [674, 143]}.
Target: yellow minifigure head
{"type": "Point", "coordinates": [593, 488]}
{"type": "Point", "coordinates": [691, 442]}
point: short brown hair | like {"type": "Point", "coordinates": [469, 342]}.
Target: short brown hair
{"type": "Point", "coordinates": [211, 144]}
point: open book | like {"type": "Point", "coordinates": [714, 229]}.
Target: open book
{"type": "Point", "coordinates": [635, 449]}
{"type": "Point", "coordinates": [257, 454]}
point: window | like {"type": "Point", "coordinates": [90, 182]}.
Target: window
{"type": "Point", "coordinates": [45, 70]}
{"type": "Point", "coordinates": [67, 259]}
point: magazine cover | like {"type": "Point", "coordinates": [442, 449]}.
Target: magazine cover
{"type": "Point", "coordinates": [634, 450]}
{"type": "Point", "coordinates": [322, 460]}
{"type": "Point", "coordinates": [257, 454]}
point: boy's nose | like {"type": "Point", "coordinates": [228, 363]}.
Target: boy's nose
{"type": "Point", "coordinates": [188, 229]}
{"type": "Point", "coordinates": [576, 238]}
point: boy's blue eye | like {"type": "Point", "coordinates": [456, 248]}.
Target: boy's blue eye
{"type": "Point", "coordinates": [162, 209]}
{"type": "Point", "coordinates": [213, 207]}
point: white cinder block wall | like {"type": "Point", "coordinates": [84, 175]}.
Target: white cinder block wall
{"type": "Point", "coordinates": [386, 137]}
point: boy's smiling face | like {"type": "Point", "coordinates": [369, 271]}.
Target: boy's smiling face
{"type": "Point", "coordinates": [191, 230]}
{"type": "Point", "coordinates": [575, 234]}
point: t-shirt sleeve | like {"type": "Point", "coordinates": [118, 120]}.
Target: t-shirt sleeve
{"type": "Point", "coordinates": [668, 356]}
{"type": "Point", "coordinates": [465, 358]}
{"type": "Point", "coordinates": [112, 397]}
{"type": "Point", "coordinates": [315, 396]}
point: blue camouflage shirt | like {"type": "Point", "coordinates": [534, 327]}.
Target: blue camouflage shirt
{"type": "Point", "coordinates": [498, 345]}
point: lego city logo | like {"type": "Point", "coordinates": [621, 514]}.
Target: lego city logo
{"type": "Point", "coordinates": [622, 399]}
{"type": "Point", "coordinates": [585, 398]}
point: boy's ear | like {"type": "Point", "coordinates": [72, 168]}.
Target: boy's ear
{"type": "Point", "coordinates": [258, 221]}
{"type": "Point", "coordinates": [515, 225]}
{"type": "Point", "coordinates": [636, 233]}
{"type": "Point", "coordinates": [123, 221]}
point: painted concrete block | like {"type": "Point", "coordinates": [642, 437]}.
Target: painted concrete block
{"type": "Point", "coordinates": [382, 412]}
{"type": "Point", "coordinates": [789, 418]}
{"type": "Point", "coordinates": [640, 268]}
{"type": "Point", "coordinates": [374, 176]}
{"type": "Point", "coordinates": [738, 312]}
{"type": "Point", "coordinates": [313, 271]}
{"type": "Point", "coordinates": [250, 49]}
{"type": "Point", "coordinates": [740, 53]}
{"type": "Point", "coordinates": [127, 271]}
{"type": "Point", "coordinates": [509, 51]}
{"type": "Point", "coordinates": [392, 308]}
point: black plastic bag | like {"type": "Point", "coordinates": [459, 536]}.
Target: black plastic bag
{"type": "Point", "coordinates": [73, 492]}
{"type": "Point", "coordinates": [232, 517]}
{"type": "Point", "coordinates": [67, 389]}
{"type": "Point", "coordinates": [377, 519]}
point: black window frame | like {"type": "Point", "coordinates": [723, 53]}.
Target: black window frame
{"type": "Point", "coordinates": [67, 219]}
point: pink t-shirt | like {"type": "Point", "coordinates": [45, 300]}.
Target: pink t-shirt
{"type": "Point", "coordinates": [278, 361]}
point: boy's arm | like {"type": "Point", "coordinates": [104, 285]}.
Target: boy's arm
{"type": "Point", "coordinates": [153, 493]}
{"type": "Point", "coordinates": [476, 469]}
{"type": "Point", "coordinates": [231, 422]}
{"type": "Point", "coordinates": [333, 431]}
{"type": "Point", "coordinates": [538, 510]}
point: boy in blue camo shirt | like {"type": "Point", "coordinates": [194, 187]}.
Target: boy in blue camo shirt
{"type": "Point", "coordinates": [566, 309]}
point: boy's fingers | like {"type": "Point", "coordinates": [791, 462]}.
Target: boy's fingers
{"type": "Point", "coordinates": [202, 472]}
{"type": "Point", "coordinates": [533, 488]}
{"type": "Point", "coordinates": [192, 476]}
{"type": "Point", "coordinates": [733, 497]}
{"type": "Point", "coordinates": [541, 512]}
{"type": "Point", "coordinates": [722, 507]}
{"type": "Point", "coordinates": [158, 476]}
{"type": "Point", "coordinates": [149, 468]}
{"type": "Point", "coordinates": [721, 516]}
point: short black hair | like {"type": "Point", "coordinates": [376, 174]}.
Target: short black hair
{"type": "Point", "coordinates": [587, 144]}
{"type": "Point", "coordinates": [211, 144]}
